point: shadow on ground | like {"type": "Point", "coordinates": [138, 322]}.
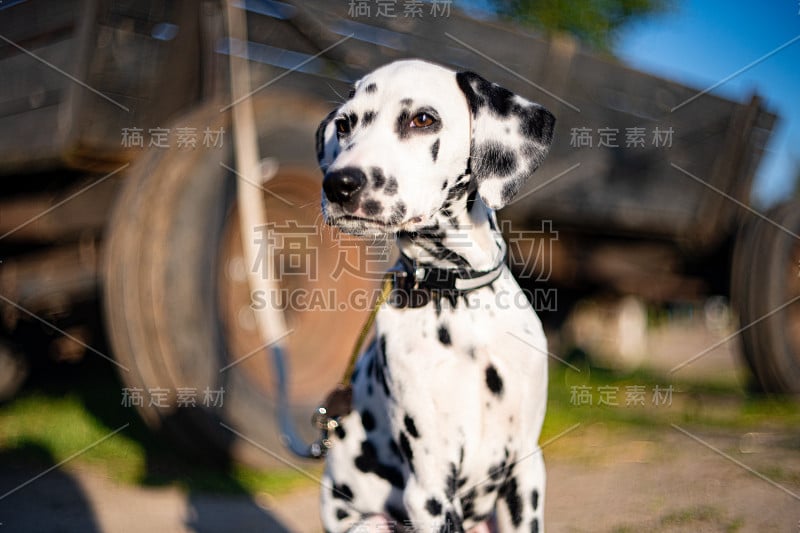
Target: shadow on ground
{"type": "Point", "coordinates": [25, 500]}
{"type": "Point", "coordinates": [37, 494]}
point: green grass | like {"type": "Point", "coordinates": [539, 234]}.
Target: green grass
{"type": "Point", "coordinates": [62, 427]}
{"type": "Point", "coordinates": [701, 514]}
{"type": "Point", "coordinates": [688, 519]}
{"type": "Point", "coordinates": [43, 429]}
{"type": "Point", "coordinates": [694, 404]}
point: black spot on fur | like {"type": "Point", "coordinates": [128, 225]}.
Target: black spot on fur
{"type": "Point", "coordinates": [369, 116]}
{"type": "Point", "coordinates": [340, 432]}
{"type": "Point", "coordinates": [367, 420]}
{"type": "Point", "coordinates": [342, 492]}
{"type": "Point", "coordinates": [433, 506]}
{"type": "Point", "coordinates": [401, 126]}
{"type": "Point", "coordinates": [535, 499]}
{"type": "Point", "coordinates": [481, 92]}
{"type": "Point", "coordinates": [452, 523]}
{"type": "Point", "coordinates": [464, 80]}
{"type": "Point", "coordinates": [510, 494]}
{"type": "Point", "coordinates": [471, 200]}
{"type": "Point", "coordinates": [351, 94]}
{"type": "Point", "coordinates": [501, 470]}
{"type": "Point", "coordinates": [444, 336]}
{"type": "Point", "coordinates": [468, 503]}
{"type": "Point", "coordinates": [435, 150]}
{"type": "Point", "coordinates": [405, 447]}
{"type": "Point", "coordinates": [500, 100]}
{"type": "Point", "coordinates": [353, 118]}
{"type": "Point", "coordinates": [444, 184]}
{"type": "Point", "coordinates": [451, 482]}
{"type": "Point", "coordinates": [411, 427]}
{"type": "Point", "coordinates": [493, 380]}
{"type": "Point", "coordinates": [445, 210]}
{"type": "Point", "coordinates": [341, 514]}
{"type": "Point", "coordinates": [398, 212]}
{"type": "Point", "coordinates": [406, 102]}
{"type": "Point", "coordinates": [497, 471]}
{"type": "Point", "coordinates": [493, 158]}
{"type": "Point", "coordinates": [371, 207]}
{"type": "Point", "coordinates": [378, 178]}
{"type": "Point", "coordinates": [371, 88]}
{"type": "Point", "coordinates": [368, 462]}
{"type": "Point", "coordinates": [537, 123]}
{"type": "Point", "coordinates": [457, 191]}
{"type": "Point", "coordinates": [391, 187]}
{"type": "Point", "coordinates": [535, 525]}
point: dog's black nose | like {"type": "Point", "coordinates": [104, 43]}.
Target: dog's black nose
{"type": "Point", "coordinates": [342, 185]}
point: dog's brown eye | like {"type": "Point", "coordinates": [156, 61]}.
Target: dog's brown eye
{"type": "Point", "coordinates": [423, 120]}
{"type": "Point", "coordinates": [342, 126]}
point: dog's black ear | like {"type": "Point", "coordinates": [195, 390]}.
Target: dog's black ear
{"type": "Point", "coordinates": [327, 142]}
{"type": "Point", "coordinates": [510, 138]}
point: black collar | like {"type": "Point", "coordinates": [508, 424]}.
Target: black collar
{"type": "Point", "coordinates": [415, 284]}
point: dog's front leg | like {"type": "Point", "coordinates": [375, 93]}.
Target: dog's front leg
{"type": "Point", "coordinates": [520, 503]}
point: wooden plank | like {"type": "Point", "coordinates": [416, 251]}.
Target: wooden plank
{"type": "Point", "coordinates": [55, 217]}
{"type": "Point", "coordinates": [114, 49]}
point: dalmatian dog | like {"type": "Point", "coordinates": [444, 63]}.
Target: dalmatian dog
{"type": "Point", "coordinates": [448, 400]}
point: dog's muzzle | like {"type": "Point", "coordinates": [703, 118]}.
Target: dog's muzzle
{"type": "Point", "coordinates": [342, 186]}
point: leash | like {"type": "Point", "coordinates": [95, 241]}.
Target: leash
{"type": "Point", "coordinates": [270, 322]}
{"type": "Point", "coordinates": [336, 404]}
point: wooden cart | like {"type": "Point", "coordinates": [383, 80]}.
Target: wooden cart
{"type": "Point", "coordinates": [154, 226]}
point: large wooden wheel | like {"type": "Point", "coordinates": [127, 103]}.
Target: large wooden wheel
{"type": "Point", "coordinates": [766, 293]}
{"type": "Point", "coordinates": [176, 297]}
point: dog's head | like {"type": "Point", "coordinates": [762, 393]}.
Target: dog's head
{"type": "Point", "coordinates": [410, 132]}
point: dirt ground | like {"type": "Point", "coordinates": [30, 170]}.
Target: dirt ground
{"type": "Point", "coordinates": [598, 480]}
{"type": "Point", "coordinates": [601, 477]}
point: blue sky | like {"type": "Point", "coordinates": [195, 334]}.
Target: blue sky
{"type": "Point", "coordinates": [698, 43]}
